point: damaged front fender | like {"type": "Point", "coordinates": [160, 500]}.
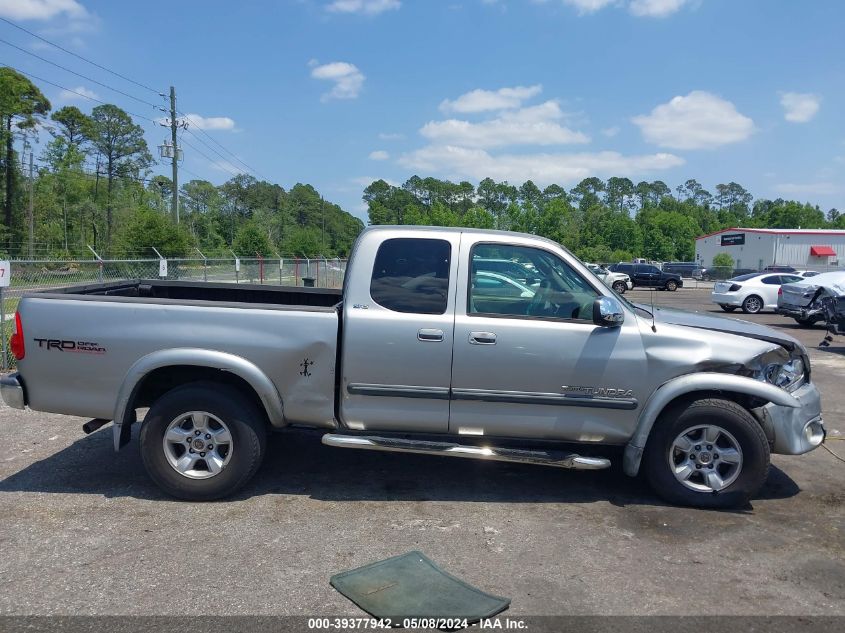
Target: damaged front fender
{"type": "Point", "coordinates": [705, 381]}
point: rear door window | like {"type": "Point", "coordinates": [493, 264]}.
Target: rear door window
{"type": "Point", "coordinates": [412, 275]}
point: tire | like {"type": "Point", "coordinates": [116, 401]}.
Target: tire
{"type": "Point", "coordinates": [671, 285]}
{"type": "Point", "coordinates": [620, 287]}
{"type": "Point", "coordinates": [741, 477]}
{"type": "Point", "coordinates": [752, 304]}
{"type": "Point", "coordinates": [727, 308]}
{"type": "Point", "coordinates": [235, 460]}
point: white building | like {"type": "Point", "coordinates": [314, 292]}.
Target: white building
{"type": "Point", "coordinates": [812, 249]}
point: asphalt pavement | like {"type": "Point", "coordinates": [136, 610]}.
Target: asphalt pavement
{"type": "Point", "coordinates": [84, 531]}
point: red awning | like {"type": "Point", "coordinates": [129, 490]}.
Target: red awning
{"type": "Point", "coordinates": [822, 251]}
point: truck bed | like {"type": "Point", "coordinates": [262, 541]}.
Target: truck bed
{"type": "Point", "coordinates": [83, 341]}
{"type": "Point", "coordinates": [192, 291]}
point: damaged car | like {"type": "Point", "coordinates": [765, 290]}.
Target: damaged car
{"type": "Point", "coordinates": [804, 300]}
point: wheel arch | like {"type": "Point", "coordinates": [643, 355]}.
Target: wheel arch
{"type": "Point", "coordinates": [154, 374]}
{"type": "Point", "coordinates": [692, 387]}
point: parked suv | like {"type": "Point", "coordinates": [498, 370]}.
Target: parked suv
{"type": "Point", "coordinates": [684, 269]}
{"type": "Point", "coordinates": [776, 268]}
{"type": "Point", "coordinates": [649, 276]}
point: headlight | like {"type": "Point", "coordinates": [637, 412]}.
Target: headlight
{"type": "Point", "coordinates": [787, 376]}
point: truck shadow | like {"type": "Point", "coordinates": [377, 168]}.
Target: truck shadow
{"type": "Point", "coordinates": [298, 464]}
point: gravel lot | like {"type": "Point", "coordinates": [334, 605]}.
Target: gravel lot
{"type": "Point", "coordinates": [83, 531]}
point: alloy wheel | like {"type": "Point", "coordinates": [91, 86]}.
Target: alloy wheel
{"type": "Point", "coordinates": [197, 444]}
{"type": "Point", "coordinates": [705, 458]}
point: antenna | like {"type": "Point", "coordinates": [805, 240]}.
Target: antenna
{"type": "Point", "coordinates": [653, 326]}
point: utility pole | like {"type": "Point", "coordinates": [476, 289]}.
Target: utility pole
{"type": "Point", "coordinates": [31, 206]}
{"type": "Point", "coordinates": [323, 232]}
{"type": "Point", "coordinates": [172, 151]}
{"type": "Point", "coordinates": [173, 126]}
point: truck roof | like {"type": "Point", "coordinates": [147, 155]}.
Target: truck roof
{"type": "Point", "coordinates": [458, 229]}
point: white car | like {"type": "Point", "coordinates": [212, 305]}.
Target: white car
{"type": "Point", "coordinates": [620, 282]}
{"type": "Point", "coordinates": [753, 292]}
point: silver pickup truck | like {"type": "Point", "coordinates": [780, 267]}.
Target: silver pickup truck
{"type": "Point", "coordinates": [422, 352]}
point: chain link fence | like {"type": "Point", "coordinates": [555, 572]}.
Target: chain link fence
{"type": "Point", "coordinates": [44, 274]}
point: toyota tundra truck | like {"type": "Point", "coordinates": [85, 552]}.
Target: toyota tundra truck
{"type": "Point", "coordinates": [421, 353]}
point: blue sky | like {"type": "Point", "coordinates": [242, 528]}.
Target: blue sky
{"type": "Point", "coordinates": [337, 93]}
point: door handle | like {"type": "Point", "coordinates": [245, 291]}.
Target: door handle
{"type": "Point", "coordinates": [482, 338]}
{"type": "Point", "coordinates": [430, 335]}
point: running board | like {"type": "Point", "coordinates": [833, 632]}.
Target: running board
{"type": "Point", "coordinates": [558, 459]}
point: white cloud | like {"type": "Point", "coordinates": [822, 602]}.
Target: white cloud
{"type": "Point", "coordinates": [533, 125]}
{"type": "Point", "coordinates": [638, 8]}
{"type": "Point", "coordinates": [811, 188]}
{"type": "Point", "coordinates": [655, 8]}
{"type": "Point", "coordinates": [379, 154]}
{"type": "Point", "coordinates": [799, 107]}
{"type": "Point", "coordinates": [199, 122]}
{"type": "Point", "coordinates": [367, 7]}
{"type": "Point", "coordinates": [484, 100]}
{"type": "Point", "coordinates": [41, 9]}
{"type": "Point", "coordinates": [588, 6]}
{"type": "Point", "coordinates": [610, 132]}
{"type": "Point", "coordinates": [699, 120]}
{"type": "Point", "coordinates": [542, 168]}
{"type": "Point", "coordinates": [68, 95]}
{"type": "Point", "coordinates": [348, 80]}
{"type": "Point", "coordinates": [391, 136]}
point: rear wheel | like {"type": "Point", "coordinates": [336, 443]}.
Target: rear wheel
{"type": "Point", "coordinates": [710, 453]}
{"type": "Point", "coordinates": [727, 308]}
{"type": "Point", "coordinates": [752, 304]}
{"type": "Point", "coordinates": [203, 441]}
{"type": "Point", "coordinates": [620, 287]}
{"type": "Point", "coordinates": [671, 285]}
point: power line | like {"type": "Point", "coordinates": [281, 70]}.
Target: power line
{"type": "Point", "coordinates": [86, 77]}
{"type": "Point", "coordinates": [84, 96]}
{"type": "Point", "coordinates": [85, 59]}
{"type": "Point", "coordinates": [209, 159]}
{"type": "Point", "coordinates": [235, 156]}
{"type": "Point", "coordinates": [209, 147]}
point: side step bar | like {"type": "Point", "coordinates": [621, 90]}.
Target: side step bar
{"type": "Point", "coordinates": [558, 459]}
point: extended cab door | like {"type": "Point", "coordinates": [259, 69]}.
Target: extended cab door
{"type": "Point", "coordinates": [398, 319]}
{"type": "Point", "coordinates": [533, 364]}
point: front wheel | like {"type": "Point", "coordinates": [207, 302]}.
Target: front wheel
{"type": "Point", "coordinates": [671, 285]}
{"type": "Point", "coordinates": [711, 453]}
{"type": "Point", "coordinates": [202, 441]}
{"type": "Point", "coordinates": [620, 287]}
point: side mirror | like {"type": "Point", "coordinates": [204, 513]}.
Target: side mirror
{"type": "Point", "coordinates": [608, 312]}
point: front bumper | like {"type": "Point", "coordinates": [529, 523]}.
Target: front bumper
{"type": "Point", "coordinates": [793, 431]}
{"type": "Point", "coordinates": [726, 298]}
{"type": "Point", "coordinates": [12, 391]}
{"type": "Point", "coordinates": [799, 312]}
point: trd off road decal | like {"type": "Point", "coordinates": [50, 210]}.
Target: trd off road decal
{"type": "Point", "coordinates": [78, 347]}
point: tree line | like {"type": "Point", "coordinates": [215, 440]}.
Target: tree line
{"type": "Point", "coordinates": [599, 220]}
{"type": "Point", "coordinates": [91, 185]}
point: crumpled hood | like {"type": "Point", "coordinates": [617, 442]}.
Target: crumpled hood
{"type": "Point", "coordinates": [717, 323]}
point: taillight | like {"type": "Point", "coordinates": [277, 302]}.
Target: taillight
{"type": "Point", "coordinates": [16, 340]}
{"type": "Point", "coordinates": [780, 292]}
{"type": "Point", "coordinates": [734, 287]}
